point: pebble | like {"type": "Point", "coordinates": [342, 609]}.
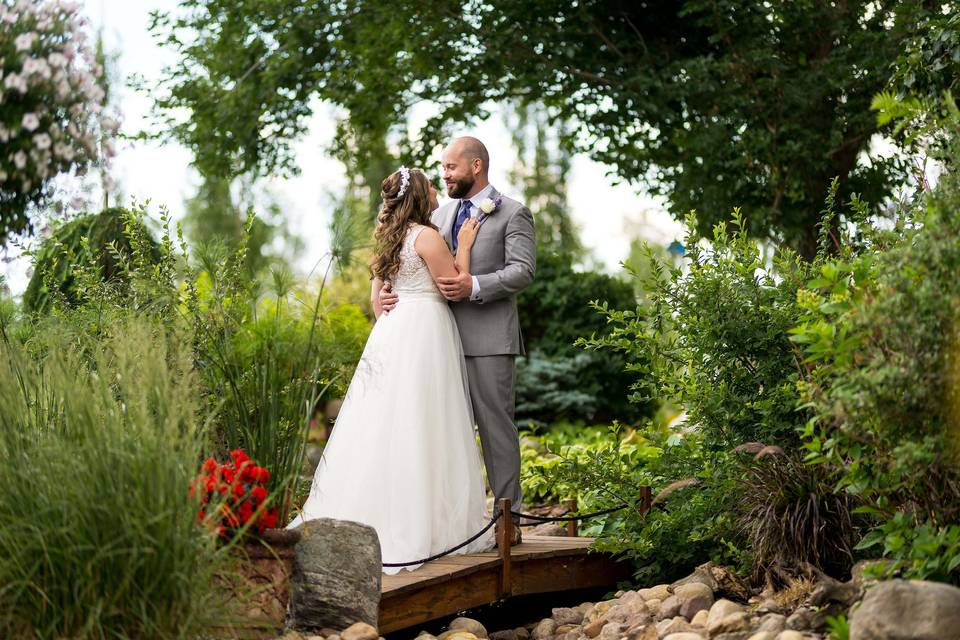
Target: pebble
{"type": "Point", "coordinates": [359, 631]}
{"type": "Point", "coordinates": [469, 624]}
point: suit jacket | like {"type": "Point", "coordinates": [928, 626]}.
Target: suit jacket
{"type": "Point", "coordinates": [504, 259]}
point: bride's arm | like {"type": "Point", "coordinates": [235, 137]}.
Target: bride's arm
{"type": "Point", "coordinates": [376, 285]}
{"type": "Point", "coordinates": [431, 246]}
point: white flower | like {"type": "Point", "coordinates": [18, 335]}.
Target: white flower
{"type": "Point", "coordinates": [57, 60]}
{"type": "Point", "coordinates": [61, 150]}
{"type": "Point", "coordinates": [487, 206]}
{"type": "Point", "coordinates": [3, 176]}
{"type": "Point", "coordinates": [10, 18]}
{"type": "Point", "coordinates": [4, 134]}
{"type": "Point", "coordinates": [15, 81]}
{"type": "Point", "coordinates": [30, 121]}
{"type": "Point", "coordinates": [25, 40]}
{"type": "Point", "coordinates": [20, 159]}
{"type": "Point", "coordinates": [42, 141]}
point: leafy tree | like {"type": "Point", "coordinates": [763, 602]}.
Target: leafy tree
{"type": "Point", "coordinates": [213, 215]}
{"type": "Point", "coordinates": [716, 105]}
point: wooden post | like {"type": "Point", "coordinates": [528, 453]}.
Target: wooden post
{"type": "Point", "coordinates": [504, 538]}
{"type": "Point", "coordinates": [571, 506]}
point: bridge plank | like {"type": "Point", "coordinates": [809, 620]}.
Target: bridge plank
{"type": "Point", "coordinates": [541, 564]}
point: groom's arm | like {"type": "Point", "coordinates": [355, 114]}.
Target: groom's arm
{"type": "Point", "coordinates": [520, 260]}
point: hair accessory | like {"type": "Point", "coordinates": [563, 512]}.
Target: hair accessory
{"type": "Point", "coordinates": [404, 181]}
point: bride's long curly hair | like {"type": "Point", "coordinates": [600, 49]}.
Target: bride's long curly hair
{"type": "Point", "coordinates": [395, 217]}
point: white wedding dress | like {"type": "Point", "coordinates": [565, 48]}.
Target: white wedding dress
{"type": "Point", "coordinates": [403, 457]}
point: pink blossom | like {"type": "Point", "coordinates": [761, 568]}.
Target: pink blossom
{"type": "Point", "coordinates": [42, 140]}
{"type": "Point", "coordinates": [30, 121]}
{"type": "Point", "coordinates": [25, 40]}
{"type": "Point", "coordinates": [20, 159]}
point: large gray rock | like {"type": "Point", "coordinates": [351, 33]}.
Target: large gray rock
{"type": "Point", "coordinates": [694, 597]}
{"type": "Point", "coordinates": [907, 610]}
{"type": "Point", "coordinates": [336, 575]}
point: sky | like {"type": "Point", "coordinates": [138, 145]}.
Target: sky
{"type": "Point", "coordinates": [161, 173]}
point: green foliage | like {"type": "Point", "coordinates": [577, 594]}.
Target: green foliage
{"type": "Point", "coordinates": [558, 381]}
{"type": "Point", "coordinates": [921, 552]}
{"type": "Point", "coordinates": [94, 242]}
{"type": "Point", "coordinates": [880, 334]}
{"type": "Point", "coordinates": [713, 338]}
{"type": "Point", "coordinates": [713, 105]}
{"type": "Point", "coordinates": [838, 627]}
{"type": "Point", "coordinates": [99, 443]}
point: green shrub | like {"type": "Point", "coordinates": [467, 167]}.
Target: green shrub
{"type": "Point", "coordinates": [880, 330]}
{"type": "Point", "coordinates": [557, 381]}
{"type": "Point", "coordinates": [93, 241]}
{"type": "Point", "coordinates": [98, 534]}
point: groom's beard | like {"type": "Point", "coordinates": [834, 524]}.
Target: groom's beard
{"type": "Point", "coordinates": [461, 187]}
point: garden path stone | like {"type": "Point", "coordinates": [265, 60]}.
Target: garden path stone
{"type": "Point", "coordinates": [336, 576]}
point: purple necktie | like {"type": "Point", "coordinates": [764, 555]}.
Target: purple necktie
{"type": "Point", "coordinates": [462, 216]}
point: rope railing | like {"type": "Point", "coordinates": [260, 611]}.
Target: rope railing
{"type": "Point", "coordinates": [500, 510]}
{"type": "Point", "coordinates": [565, 518]}
{"type": "Point", "coordinates": [437, 556]}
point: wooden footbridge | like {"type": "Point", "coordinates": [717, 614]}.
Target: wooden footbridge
{"type": "Point", "coordinates": [454, 583]}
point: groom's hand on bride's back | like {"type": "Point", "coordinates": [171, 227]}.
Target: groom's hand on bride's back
{"type": "Point", "coordinates": [388, 298]}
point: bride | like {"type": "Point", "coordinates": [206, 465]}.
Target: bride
{"type": "Point", "coordinates": [403, 457]}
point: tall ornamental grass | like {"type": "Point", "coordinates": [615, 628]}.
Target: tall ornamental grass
{"type": "Point", "coordinates": [97, 533]}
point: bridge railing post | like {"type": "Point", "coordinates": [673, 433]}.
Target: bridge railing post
{"type": "Point", "coordinates": [571, 506]}
{"type": "Point", "coordinates": [504, 538]}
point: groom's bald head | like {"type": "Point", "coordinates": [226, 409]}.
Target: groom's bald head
{"type": "Point", "coordinates": [465, 163]}
{"type": "Point", "coordinates": [469, 149]}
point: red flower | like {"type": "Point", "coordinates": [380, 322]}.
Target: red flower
{"type": "Point", "coordinates": [239, 457]}
{"type": "Point", "coordinates": [263, 475]}
{"type": "Point", "coordinates": [201, 515]}
{"type": "Point", "coordinates": [259, 494]}
{"type": "Point", "coordinates": [269, 520]}
{"type": "Point", "coordinates": [209, 465]}
{"type": "Point", "coordinates": [239, 490]}
{"type": "Point", "coordinates": [228, 474]}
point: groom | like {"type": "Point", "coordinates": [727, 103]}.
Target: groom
{"type": "Point", "coordinates": [484, 303]}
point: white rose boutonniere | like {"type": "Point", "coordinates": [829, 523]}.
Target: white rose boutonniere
{"type": "Point", "coordinates": [488, 206]}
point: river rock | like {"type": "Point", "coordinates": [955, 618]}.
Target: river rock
{"type": "Point", "coordinates": [694, 597]}
{"type": "Point", "coordinates": [769, 605]}
{"type": "Point", "coordinates": [468, 624]}
{"type": "Point", "coordinates": [456, 634]}
{"type": "Point", "coordinates": [686, 635]}
{"type": "Point", "coordinates": [506, 634]}
{"type": "Point", "coordinates": [359, 631]}
{"type": "Point", "coordinates": [565, 628]}
{"type": "Point", "coordinates": [566, 615]}
{"type": "Point", "coordinates": [700, 618]}
{"type": "Point", "coordinates": [647, 632]}
{"type": "Point", "coordinates": [545, 629]}
{"type": "Point", "coordinates": [902, 609]}
{"type": "Point", "coordinates": [701, 574]}
{"type": "Point", "coordinates": [801, 620]}
{"type": "Point", "coordinates": [790, 634]}
{"type": "Point", "coordinates": [736, 621]}
{"type": "Point", "coordinates": [592, 630]}
{"type": "Point", "coordinates": [619, 613]}
{"type": "Point", "coordinates": [660, 592]}
{"type": "Point", "coordinates": [522, 633]}
{"type": "Point", "coordinates": [336, 575]}
{"type": "Point", "coordinates": [674, 625]}
{"type": "Point", "coordinates": [720, 610]}
{"type": "Point", "coordinates": [733, 635]}
{"type": "Point", "coordinates": [773, 622]}
{"type": "Point", "coordinates": [763, 635]}
{"type": "Point", "coordinates": [612, 631]}
{"type": "Point", "coordinates": [669, 608]}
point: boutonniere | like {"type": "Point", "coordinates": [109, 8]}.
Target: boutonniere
{"type": "Point", "coordinates": [488, 206]}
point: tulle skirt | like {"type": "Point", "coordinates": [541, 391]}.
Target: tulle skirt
{"type": "Point", "coordinates": [403, 457]}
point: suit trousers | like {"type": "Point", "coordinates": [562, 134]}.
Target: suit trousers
{"type": "Point", "coordinates": [492, 380]}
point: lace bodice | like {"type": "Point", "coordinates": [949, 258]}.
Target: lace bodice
{"type": "Point", "coordinates": [413, 275]}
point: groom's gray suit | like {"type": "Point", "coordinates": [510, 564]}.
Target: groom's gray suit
{"type": "Point", "coordinates": [503, 260]}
